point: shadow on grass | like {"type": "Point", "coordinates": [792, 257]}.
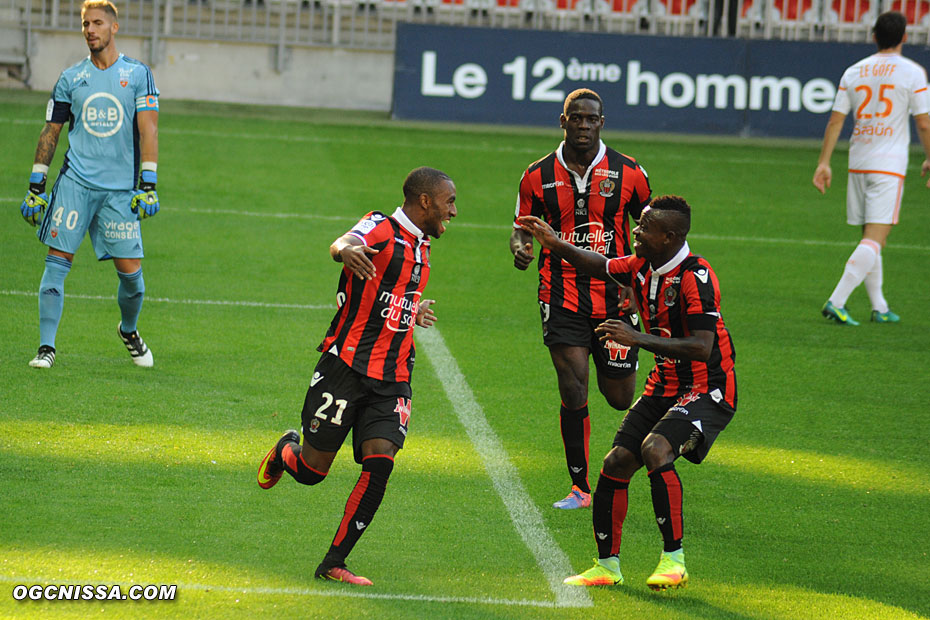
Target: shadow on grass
{"type": "Point", "coordinates": [739, 526]}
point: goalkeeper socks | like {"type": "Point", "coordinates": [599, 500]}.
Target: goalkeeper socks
{"type": "Point", "coordinates": [295, 465]}
{"type": "Point", "coordinates": [360, 509]}
{"type": "Point", "coordinates": [610, 504]}
{"type": "Point", "coordinates": [860, 263]}
{"type": "Point", "coordinates": [666, 502]}
{"type": "Point", "coordinates": [130, 294]}
{"type": "Point", "coordinates": [873, 286]}
{"type": "Point", "coordinates": [576, 430]}
{"type": "Point", "coordinates": [52, 298]}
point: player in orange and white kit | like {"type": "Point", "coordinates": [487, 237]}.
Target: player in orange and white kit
{"type": "Point", "coordinates": [882, 91]}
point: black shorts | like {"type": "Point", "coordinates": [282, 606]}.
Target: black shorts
{"type": "Point", "coordinates": [690, 423]}
{"type": "Point", "coordinates": [569, 328]}
{"type": "Point", "coordinates": [340, 399]}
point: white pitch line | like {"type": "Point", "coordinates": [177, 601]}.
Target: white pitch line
{"type": "Point", "coordinates": [334, 593]}
{"type": "Point", "coordinates": [505, 227]}
{"type": "Point", "coordinates": [194, 302]}
{"type": "Point", "coordinates": [524, 513]}
{"type": "Point", "coordinates": [484, 147]}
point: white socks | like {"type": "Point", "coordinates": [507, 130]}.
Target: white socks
{"type": "Point", "coordinates": [865, 260]}
{"type": "Point", "coordinates": [873, 284]}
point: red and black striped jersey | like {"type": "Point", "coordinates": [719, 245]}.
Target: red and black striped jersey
{"type": "Point", "coordinates": [372, 331]}
{"type": "Point", "coordinates": [675, 300]}
{"type": "Point", "coordinates": [592, 212]}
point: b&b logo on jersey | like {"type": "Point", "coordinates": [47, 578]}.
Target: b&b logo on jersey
{"type": "Point", "coordinates": [102, 115]}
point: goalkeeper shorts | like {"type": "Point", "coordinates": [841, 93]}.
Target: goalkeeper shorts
{"type": "Point", "coordinates": [76, 210]}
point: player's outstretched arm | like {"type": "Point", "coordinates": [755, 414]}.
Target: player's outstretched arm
{"type": "Point", "coordinates": [585, 261]}
{"type": "Point", "coordinates": [823, 176]}
{"type": "Point", "coordinates": [922, 122]}
{"type": "Point", "coordinates": [36, 199]}
{"type": "Point", "coordinates": [353, 253]}
{"type": "Point", "coordinates": [696, 347]}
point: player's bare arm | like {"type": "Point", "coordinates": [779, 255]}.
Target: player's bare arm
{"type": "Point", "coordinates": [425, 315]}
{"type": "Point", "coordinates": [48, 142]}
{"type": "Point", "coordinates": [352, 251]}
{"type": "Point", "coordinates": [695, 347]}
{"type": "Point", "coordinates": [922, 122]}
{"type": "Point", "coordinates": [147, 122]}
{"type": "Point", "coordinates": [585, 261]}
{"type": "Point", "coordinates": [521, 246]}
{"type": "Point", "coordinates": [823, 175]}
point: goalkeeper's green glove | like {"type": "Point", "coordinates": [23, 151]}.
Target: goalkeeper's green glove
{"type": "Point", "coordinates": [145, 200]}
{"type": "Point", "coordinates": [36, 199]}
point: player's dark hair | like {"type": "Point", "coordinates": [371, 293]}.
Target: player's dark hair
{"type": "Point", "coordinates": [889, 29]}
{"type": "Point", "coordinates": [681, 220]}
{"type": "Point", "coordinates": [422, 181]}
{"type": "Point", "coordinates": [582, 93]}
{"type": "Point", "coordinates": [104, 5]}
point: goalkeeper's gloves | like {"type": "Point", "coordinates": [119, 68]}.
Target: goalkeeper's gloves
{"type": "Point", "coordinates": [145, 200]}
{"type": "Point", "coordinates": [36, 199]}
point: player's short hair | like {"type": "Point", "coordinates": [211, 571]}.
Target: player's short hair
{"type": "Point", "coordinates": [582, 93]}
{"type": "Point", "coordinates": [422, 180]}
{"type": "Point", "coordinates": [678, 209]}
{"type": "Point", "coordinates": [104, 5]}
{"type": "Point", "coordinates": [889, 29]}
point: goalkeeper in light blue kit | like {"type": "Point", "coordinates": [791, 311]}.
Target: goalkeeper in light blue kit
{"type": "Point", "coordinates": [107, 182]}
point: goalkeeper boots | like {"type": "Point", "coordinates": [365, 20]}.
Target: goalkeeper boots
{"type": "Point", "coordinates": [605, 572]}
{"type": "Point", "coordinates": [576, 498]}
{"type": "Point", "coordinates": [272, 466]}
{"type": "Point", "coordinates": [884, 317]}
{"type": "Point", "coordinates": [343, 574]}
{"type": "Point", "coordinates": [45, 358]}
{"type": "Point", "coordinates": [840, 315]}
{"type": "Point", "coordinates": [141, 355]}
{"type": "Point", "coordinates": [670, 573]}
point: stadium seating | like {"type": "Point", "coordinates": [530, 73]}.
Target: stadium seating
{"type": "Point", "coordinates": [371, 23]}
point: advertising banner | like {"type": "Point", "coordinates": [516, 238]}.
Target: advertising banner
{"type": "Point", "coordinates": [648, 83]}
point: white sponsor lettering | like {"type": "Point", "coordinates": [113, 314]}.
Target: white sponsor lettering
{"type": "Point", "coordinates": [400, 312]}
{"type": "Point", "coordinates": [590, 236]}
{"type": "Point", "coordinates": [469, 80]}
{"type": "Point", "coordinates": [676, 89]}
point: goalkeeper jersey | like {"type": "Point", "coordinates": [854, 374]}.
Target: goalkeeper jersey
{"type": "Point", "coordinates": [100, 107]}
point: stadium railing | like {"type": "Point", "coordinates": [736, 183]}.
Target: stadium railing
{"type": "Point", "coordinates": [371, 24]}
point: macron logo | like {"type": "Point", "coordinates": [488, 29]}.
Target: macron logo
{"type": "Point", "coordinates": [577, 470]}
{"type": "Point", "coordinates": [601, 536]}
{"type": "Point", "coordinates": [360, 525]}
{"type": "Point", "coordinates": [317, 377]}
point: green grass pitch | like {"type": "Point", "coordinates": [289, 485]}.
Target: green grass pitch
{"type": "Point", "coordinates": [813, 504]}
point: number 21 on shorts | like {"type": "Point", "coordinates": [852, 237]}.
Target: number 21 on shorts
{"type": "Point", "coordinates": [328, 401]}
